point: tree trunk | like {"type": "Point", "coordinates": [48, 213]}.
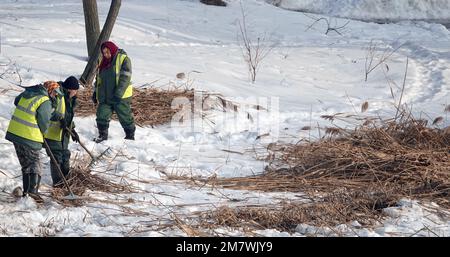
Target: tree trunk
{"type": "Point", "coordinates": [91, 68]}
{"type": "Point", "coordinates": [91, 23]}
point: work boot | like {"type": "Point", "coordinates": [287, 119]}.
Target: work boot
{"type": "Point", "coordinates": [129, 132]}
{"type": "Point", "coordinates": [103, 136]}
{"type": "Point", "coordinates": [102, 133]}
{"type": "Point", "coordinates": [33, 187]}
{"type": "Point", "coordinates": [36, 197]}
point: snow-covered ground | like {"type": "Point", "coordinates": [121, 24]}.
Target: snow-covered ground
{"type": "Point", "coordinates": [374, 10]}
{"type": "Point", "coordinates": [306, 75]}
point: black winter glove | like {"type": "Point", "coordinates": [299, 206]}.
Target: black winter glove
{"type": "Point", "coordinates": [94, 98]}
{"type": "Point", "coordinates": [63, 123]}
{"type": "Point", "coordinates": [75, 136]}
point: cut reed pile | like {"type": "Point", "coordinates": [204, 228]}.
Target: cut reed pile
{"type": "Point", "coordinates": [81, 179]}
{"type": "Point", "coordinates": [150, 106]}
{"type": "Point", "coordinates": [333, 209]}
{"type": "Point", "coordinates": [354, 174]}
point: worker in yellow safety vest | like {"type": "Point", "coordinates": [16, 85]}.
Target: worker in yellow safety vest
{"type": "Point", "coordinates": [62, 128]}
{"type": "Point", "coordinates": [28, 124]}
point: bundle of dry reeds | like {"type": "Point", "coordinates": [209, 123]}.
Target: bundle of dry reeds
{"type": "Point", "coordinates": [150, 106]}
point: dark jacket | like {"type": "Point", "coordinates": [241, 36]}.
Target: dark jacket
{"type": "Point", "coordinates": [68, 117]}
{"type": "Point", "coordinates": [43, 115]}
{"type": "Point", "coordinates": [108, 91]}
{"type": "Point", "coordinates": [71, 103]}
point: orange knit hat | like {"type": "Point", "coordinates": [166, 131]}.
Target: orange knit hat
{"type": "Point", "coordinates": [51, 85]}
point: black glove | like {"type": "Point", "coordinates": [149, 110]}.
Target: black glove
{"type": "Point", "coordinates": [116, 99]}
{"type": "Point", "coordinates": [63, 123]}
{"type": "Point", "coordinates": [75, 136]}
{"type": "Point", "coordinates": [94, 98]}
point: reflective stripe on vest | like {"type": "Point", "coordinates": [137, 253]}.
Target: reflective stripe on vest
{"type": "Point", "coordinates": [55, 131]}
{"type": "Point", "coordinates": [119, 61]}
{"type": "Point", "coordinates": [23, 122]}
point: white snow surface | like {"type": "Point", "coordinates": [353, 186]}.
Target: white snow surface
{"type": "Point", "coordinates": [306, 75]}
{"type": "Point", "coordinates": [376, 10]}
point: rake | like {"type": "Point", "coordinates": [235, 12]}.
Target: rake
{"type": "Point", "coordinates": [72, 196]}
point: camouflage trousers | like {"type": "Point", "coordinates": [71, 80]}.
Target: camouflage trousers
{"type": "Point", "coordinates": [28, 159]}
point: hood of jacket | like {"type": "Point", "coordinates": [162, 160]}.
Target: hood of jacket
{"type": "Point", "coordinates": [34, 91]}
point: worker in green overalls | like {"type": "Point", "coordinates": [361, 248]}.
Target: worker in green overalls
{"type": "Point", "coordinates": [113, 91]}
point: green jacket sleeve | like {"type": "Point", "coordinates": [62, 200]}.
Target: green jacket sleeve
{"type": "Point", "coordinates": [43, 115]}
{"type": "Point", "coordinates": [16, 101]}
{"type": "Point", "coordinates": [124, 79]}
{"type": "Point", "coordinates": [71, 104]}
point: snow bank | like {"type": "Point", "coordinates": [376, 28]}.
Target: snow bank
{"type": "Point", "coordinates": [373, 10]}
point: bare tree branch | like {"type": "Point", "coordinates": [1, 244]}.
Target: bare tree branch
{"type": "Point", "coordinates": [12, 70]}
{"type": "Point", "coordinates": [253, 53]}
{"type": "Point", "coordinates": [328, 21]}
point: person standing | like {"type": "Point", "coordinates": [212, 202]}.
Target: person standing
{"type": "Point", "coordinates": [62, 128]}
{"type": "Point", "coordinates": [113, 91]}
{"type": "Point", "coordinates": [30, 120]}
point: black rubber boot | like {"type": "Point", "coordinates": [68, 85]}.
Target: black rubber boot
{"type": "Point", "coordinates": [33, 187]}
{"type": "Point", "coordinates": [129, 132]}
{"type": "Point", "coordinates": [56, 178]}
{"type": "Point", "coordinates": [35, 181]}
{"type": "Point", "coordinates": [102, 133]}
{"type": "Point", "coordinates": [26, 184]}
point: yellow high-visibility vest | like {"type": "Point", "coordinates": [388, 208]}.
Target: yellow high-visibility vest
{"type": "Point", "coordinates": [23, 122]}
{"type": "Point", "coordinates": [55, 131]}
{"type": "Point", "coordinates": [118, 65]}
